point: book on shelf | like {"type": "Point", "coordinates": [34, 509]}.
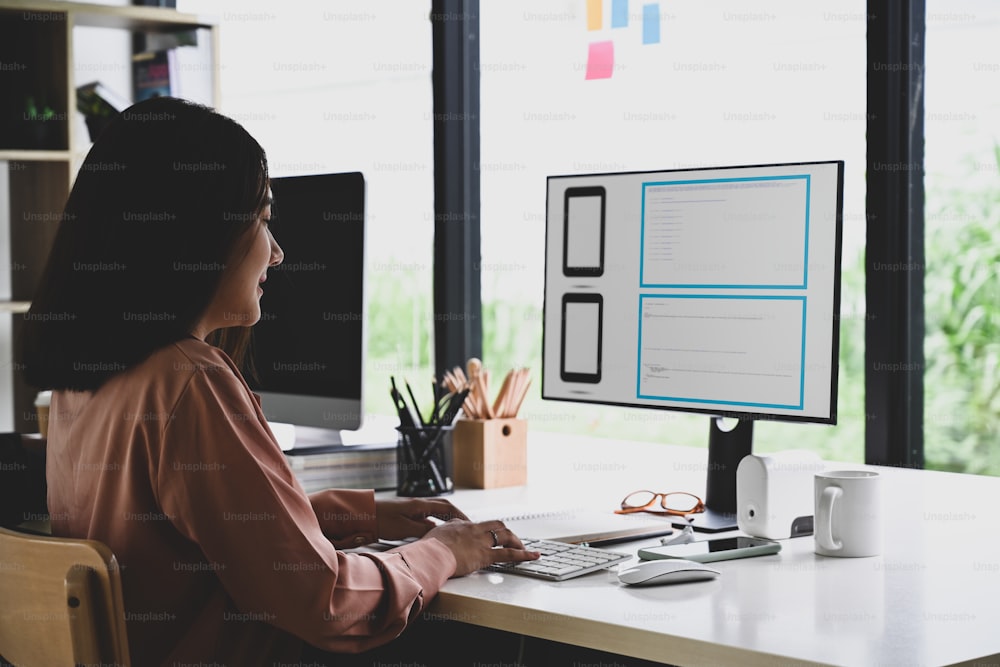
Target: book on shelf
{"type": "Point", "coordinates": [96, 99]}
{"type": "Point", "coordinates": [154, 74]}
{"type": "Point", "coordinates": [182, 70]}
{"type": "Point", "coordinates": [363, 466]}
{"type": "Point", "coordinates": [99, 104]}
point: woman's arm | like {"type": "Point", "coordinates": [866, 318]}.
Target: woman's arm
{"type": "Point", "coordinates": [236, 498]}
{"type": "Point", "coordinates": [346, 516]}
{"type": "Point", "coordinates": [352, 517]}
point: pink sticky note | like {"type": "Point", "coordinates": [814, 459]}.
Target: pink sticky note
{"type": "Point", "coordinates": [600, 60]}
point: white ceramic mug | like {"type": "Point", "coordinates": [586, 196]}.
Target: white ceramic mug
{"type": "Point", "coordinates": [848, 513]}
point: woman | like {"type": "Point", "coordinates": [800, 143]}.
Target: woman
{"type": "Point", "coordinates": [158, 448]}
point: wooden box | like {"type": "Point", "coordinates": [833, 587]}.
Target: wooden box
{"type": "Point", "coordinates": [490, 453]}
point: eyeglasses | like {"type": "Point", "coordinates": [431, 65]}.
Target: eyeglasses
{"type": "Point", "coordinates": [678, 503]}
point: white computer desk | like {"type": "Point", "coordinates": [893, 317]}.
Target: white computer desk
{"type": "Point", "coordinates": [932, 597]}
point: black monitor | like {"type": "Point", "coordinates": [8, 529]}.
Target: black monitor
{"type": "Point", "coordinates": [308, 348]}
{"type": "Point", "coordinates": [713, 290]}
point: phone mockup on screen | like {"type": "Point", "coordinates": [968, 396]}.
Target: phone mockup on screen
{"type": "Point", "coordinates": [583, 231]}
{"type": "Point", "coordinates": [580, 349]}
{"type": "Point", "coordinates": [707, 551]}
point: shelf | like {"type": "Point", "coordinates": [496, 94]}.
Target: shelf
{"type": "Point", "coordinates": [29, 155]}
{"type": "Point", "coordinates": [37, 37]}
{"type": "Point", "coordinates": [14, 306]}
{"type": "Point", "coordinates": [125, 17]}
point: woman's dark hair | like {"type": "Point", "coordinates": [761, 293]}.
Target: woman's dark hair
{"type": "Point", "coordinates": [159, 206]}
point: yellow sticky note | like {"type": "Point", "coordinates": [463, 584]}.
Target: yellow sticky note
{"type": "Point", "coordinates": [595, 11]}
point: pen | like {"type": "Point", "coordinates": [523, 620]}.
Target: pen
{"type": "Point", "coordinates": [428, 452]}
{"type": "Point", "coordinates": [437, 399]}
{"type": "Point", "coordinates": [416, 408]}
{"type": "Point", "coordinates": [455, 403]}
{"type": "Point", "coordinates": [405, 418]}
{"type": "Point", "coordinates": [428, 446]}
{"type": "Point", "coordinates": [626, 538]}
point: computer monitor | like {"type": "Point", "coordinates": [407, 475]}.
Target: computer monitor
{"type": "Point", "coordinates": [710, 290]}
{"type": "Point", "coordinates": [308, 348]}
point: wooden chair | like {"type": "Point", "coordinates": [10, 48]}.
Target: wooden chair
{"type": "Point", "coordinates": [61, 602]}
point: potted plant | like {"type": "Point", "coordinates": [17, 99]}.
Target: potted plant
{"type": "Point", "coordinates": [42, 128]}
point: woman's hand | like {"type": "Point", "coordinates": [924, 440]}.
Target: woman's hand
{"type": "Point", "coordinates": [476, 545]}
{"type": "Point", "coordinates": [399, 518]}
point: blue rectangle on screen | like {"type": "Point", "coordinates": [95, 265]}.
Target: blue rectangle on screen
{"type": "Point", "coordinates": [651, 23]}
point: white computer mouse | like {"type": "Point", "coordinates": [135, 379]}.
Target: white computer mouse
{"type": "Point", "coordinates": [664, 571]}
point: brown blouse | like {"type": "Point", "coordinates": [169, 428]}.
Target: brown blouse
{"type": "Point", "coordinates": [223, 556]}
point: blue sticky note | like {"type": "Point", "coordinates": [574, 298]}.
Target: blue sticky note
{"type": "Point", "coordinates": [651, 23]}
{"type": "Point", "coordinates": [619, 13]}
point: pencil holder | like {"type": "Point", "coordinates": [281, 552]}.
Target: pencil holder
{"type": "Point", "coordinates": [423, 461]}
{"type": "Point", "coordinates": [490, 453]}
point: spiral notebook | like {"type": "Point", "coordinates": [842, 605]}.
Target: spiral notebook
{"type": "Point", "coordinates": [577, 525]}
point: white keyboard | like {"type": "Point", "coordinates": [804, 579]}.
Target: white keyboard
{"type": "Point", "coordinates": [561, 561]}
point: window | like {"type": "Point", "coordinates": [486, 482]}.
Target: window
{"type": "Point", "coordinates": [329, 87]}
{"type": "Point", "coordinates": [962, 300]}
{"type": "Point", "coordinates": [658, 85]}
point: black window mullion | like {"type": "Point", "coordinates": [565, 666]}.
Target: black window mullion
{"type": "Point", "coordinates": [457, 299]}
{"type": "Point", "coordinates": [894, 259]}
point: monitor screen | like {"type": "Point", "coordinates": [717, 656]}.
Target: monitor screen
{"type": "Point", "coordinates": [308, 348]}
{"type": "Point", "coordinates": [713, 291]}
{"type": "Point", "coordinates": [706, 290]}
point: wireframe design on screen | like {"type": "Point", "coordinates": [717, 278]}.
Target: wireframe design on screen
{"type": "Point", "coordinates": [718, 292]}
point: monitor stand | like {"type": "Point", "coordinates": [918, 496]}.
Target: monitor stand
{"type": "Point", "coordinates": [726, 448]}
{"type": "Point", "coordinates": [294, 436]}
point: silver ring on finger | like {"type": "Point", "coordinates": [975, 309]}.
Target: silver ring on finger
{"type": "Point", "coordinates": [496, 538]}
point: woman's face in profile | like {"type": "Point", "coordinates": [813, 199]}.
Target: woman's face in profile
{"type": "Point", "coordinates": [237, 301]}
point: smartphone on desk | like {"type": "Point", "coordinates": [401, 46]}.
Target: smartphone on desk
{"type": "Point", "coordinates": [707, 551]}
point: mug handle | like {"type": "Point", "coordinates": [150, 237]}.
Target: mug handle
{"type": "Point", "coordinates": [824, 519]}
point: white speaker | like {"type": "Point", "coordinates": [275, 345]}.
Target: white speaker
{"type": "Point", "coordinates": [774, 493]}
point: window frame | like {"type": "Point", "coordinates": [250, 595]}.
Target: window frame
{"type": "Point", "coordinates": [458, 331]}
{"type": "Point", "coordinates": [894, 262]}
{"type": "Point", "coordinates": [894, 250]}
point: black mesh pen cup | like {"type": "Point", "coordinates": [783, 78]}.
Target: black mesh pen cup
{"type": "Point", "coordinates": [424, 461]}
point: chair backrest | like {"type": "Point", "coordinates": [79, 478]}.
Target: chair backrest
{"type": "Point", "coordinates": [60, 602]}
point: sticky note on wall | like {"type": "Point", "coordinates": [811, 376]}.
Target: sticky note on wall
{"type": "Point", "coordinates": [651, 23]}
{"type": "Point", "coordinates": [619, 13]}
{"type": "Point", "coordinates": [595, 11]}
{"type": "Point", "coordinates": [600, 60]}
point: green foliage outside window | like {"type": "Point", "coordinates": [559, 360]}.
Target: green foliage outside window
{"type": "Point", "coordinates": [962, 342]}
{"type": "Point", "coordinates": [962, 349]}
